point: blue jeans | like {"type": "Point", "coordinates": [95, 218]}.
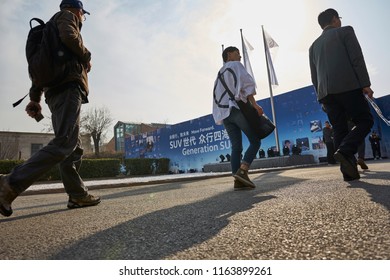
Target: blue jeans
{"type": "Point", "coordinates": [64, 150]}
{"type": "Point", "coordinates": [235, 124]}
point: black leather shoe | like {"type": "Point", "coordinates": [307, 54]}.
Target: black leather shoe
{"type": "Point", "coordinates": [347, 178]}
{"type": "Point", "coordinates": [348, 166]}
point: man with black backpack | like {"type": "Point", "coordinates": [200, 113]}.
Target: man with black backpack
{"type": "Point", "coordinates": [64, 100]}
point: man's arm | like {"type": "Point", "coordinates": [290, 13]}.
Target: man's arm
{"type": "Point", "coordinates": [69, 32]}
{"type": "Point", "coordinates": [313, 69]}
{"type": "Point", "coordinates": [252, 100]}
{"type": "Point", "coordinates": [357, 60]}
{"type": "Point", "coordinates": [33, 108]}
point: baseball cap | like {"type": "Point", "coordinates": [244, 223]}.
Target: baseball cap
{"type": "Point", "coordinates": [73, 4]}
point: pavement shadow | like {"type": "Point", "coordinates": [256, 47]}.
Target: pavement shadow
{"type": "Point", "coordinates": [51, 212]}
{"type": "Point", "coordinates": [379, 193]}
{"type": "Point", "coordinates": [128, 192]}
{"type": "Point", "coordinates": [137, 190]}
{"type": "Point", "coordinates": [162, 233]}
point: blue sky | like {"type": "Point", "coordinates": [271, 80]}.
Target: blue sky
{"type": "Point", "coordinates": [156, 61]}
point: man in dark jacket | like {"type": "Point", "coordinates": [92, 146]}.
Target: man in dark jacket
{"type": "Point", "coordinates": [64, 101]}
{"type": "Point", "coordinates": [327, 133]}
{"type": "Point", "coordinates": [340, 77]}
{"type": "Point", "coordinates": [375, 145]}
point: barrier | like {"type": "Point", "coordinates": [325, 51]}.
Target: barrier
{"type": "Point", "coordinates": [283, 161]}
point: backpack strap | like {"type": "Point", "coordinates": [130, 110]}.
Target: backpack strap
{"type": "Point", "coordinates": [19, 101]}
{"type": "Point", "coordinates": [41, 22]}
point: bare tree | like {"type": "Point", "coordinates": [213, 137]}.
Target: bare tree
{"type": "Point", "coordinates": [96, 122]}
{"type": "Point", "coordinates": [48, 125]}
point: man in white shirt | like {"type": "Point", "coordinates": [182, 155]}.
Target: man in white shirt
{"type": "Point", "coordinates": [227, 112]}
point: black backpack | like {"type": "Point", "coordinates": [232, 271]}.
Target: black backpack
{"type": "Point", "coordinates": [45, 53]}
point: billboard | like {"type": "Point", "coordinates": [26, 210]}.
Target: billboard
{"type": "Point", "coordinates": [192, 144]}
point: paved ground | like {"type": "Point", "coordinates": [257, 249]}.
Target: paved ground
{"type": "Point", "coordinates": [302, 213]}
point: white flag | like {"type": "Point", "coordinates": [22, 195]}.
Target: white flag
{"type": "Point", "coordinates": [270, 43]}
{"type": "Point", "coordinates": [247, 64]}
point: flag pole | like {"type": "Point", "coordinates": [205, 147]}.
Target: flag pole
{"type": "Point", "coordinates": [243, 49]}
{"type": "Point", "coordinates": [270, 91]}
{"type": "Point", "coordinates": [223, 48]}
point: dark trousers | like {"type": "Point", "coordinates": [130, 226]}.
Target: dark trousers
{"type": "Point", "coordinates": [342, 107]}
{"type": "Point", "coordinates": [362, 150]}
{"type": "Point", "coordinates": [64, 149]}
{"type": "Point", "coordinates": [376, 150]}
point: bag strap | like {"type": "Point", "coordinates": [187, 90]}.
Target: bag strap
{"type": "Point", "coordinates": [41, 22]}
{"type": "Point", "coordinates": [239, 104]}
{"type": "Point", "coordinates": [220, 77]}
{"type": "Point", "coordinates": [19, 101]}
{"type": "Point", "coordinates": [218, 102]}
{"type": "Point", "coordinates": [227, 90]}
{"type": "Point", "coordinates": [222, 80]}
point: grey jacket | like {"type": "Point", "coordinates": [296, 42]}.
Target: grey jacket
{"type": "Point", "coordinates": [336, 62]}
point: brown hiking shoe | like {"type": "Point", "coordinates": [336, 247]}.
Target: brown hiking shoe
{"type": "Point", "coordinates": [238, 186]}
{"type": "Point", "coordinates": [86, 201]}
{"type": "Point", "coordinates": [7, 195]}
{"type": "Point", "coordinates": [242, 176]}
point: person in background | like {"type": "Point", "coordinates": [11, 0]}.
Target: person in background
{"type": "Point", "coordinates": [261, 153]}
{"type": "Point", "coordinates": [327, 134]}
{"type": "Point", "coordinates": [375, 145]}
{"type": "Point", "coordinates": [227, 112]}
{"type": "Point", "coordinates": [340, 78]}
{"type": "Point", "coordinates": [286, 148]}
{"type": "Point", "coordinates": [64, 101]}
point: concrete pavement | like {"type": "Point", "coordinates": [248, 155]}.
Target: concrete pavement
{"type": "Point", "coordinates": [299, 213]}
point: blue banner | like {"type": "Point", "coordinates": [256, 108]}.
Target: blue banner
{"type": "Point", "coordinates": [192, 144]}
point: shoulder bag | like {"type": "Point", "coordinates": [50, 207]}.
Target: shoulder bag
{"type": "Point", "coordinates": [261, 125]}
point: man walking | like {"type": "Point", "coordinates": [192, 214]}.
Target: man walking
{"type": "Point", "coordinates": [233, 78]}
{"type": "Point", "coordinates": [64, 101]}
{"type": "Point", "coordinates": [339, 75]}
{"type": "Point", "coordinates": [327, 133]}
{"type": "Point", "coordinates": [375, 145]}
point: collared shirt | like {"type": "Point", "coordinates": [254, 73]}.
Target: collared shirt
{"type": "Point", "coordinates": [240, 83]}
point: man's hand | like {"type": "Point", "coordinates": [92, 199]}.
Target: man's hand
{"type": "Point", "coordinates": [33, 109]}
{"type": "Point", "coordinates": [368, 91]}
{"type": "Point", "coordinates": [88, 66]}
{"type": "Point", "coordinates": [259, 109]}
